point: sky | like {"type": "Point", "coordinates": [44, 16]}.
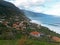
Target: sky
{"type": "Point", "coordinates": [51, 7]}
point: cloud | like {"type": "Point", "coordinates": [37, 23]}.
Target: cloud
{"type": "Point", "coordinates": [26, 2]}
{"type": "Point", "coordinates": [53, 10]}
{"type": "Point", "coordinates": [37, 9]}
{"type": "Point", "coordinates": [32, 5]}
{"type": "Point", "coordinates": [51, 7]}
{"type": "Point", "coordinates": [35, 21]}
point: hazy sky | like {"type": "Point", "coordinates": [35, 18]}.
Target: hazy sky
{"type": "Point", "coordinates": [42, 6]}
{"type": "Point", "coordinates": [51, 7]}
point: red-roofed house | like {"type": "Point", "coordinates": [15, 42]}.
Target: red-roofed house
{"type": "Point", "coordinates": [35, 34]}
{"type": "Point", "coordinates": [16, 26]}
{"type": "Point", "coordinates": [56, 39]}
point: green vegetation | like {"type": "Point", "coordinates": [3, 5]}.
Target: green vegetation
{"type": "Point", "coordinates": [47, 31]}
{"type": "Point", "coordinates": [8, 42]}
{"type": "Point", "coordinates": [35, 42]}
{"type": "Point", "coordinates": [28, 42]}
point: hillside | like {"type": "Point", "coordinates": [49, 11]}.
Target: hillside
{"type": "Point", "coordinates": [9, 14]}
{"type": "Point", "coordinates": [14, 25]}
{"type": "Point", "coordinates": [10, 11]}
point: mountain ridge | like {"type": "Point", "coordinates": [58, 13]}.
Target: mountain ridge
{"type": "Point", "coordinates": [43, 17]}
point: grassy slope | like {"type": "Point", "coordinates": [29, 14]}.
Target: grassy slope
{"type": "Point", "coordinates": [8, 42]}
{"type": "Point", "coordinates": [28, 42]}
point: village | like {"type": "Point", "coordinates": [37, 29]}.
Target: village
{"type": "Point", "coordinates": [33, 33]}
